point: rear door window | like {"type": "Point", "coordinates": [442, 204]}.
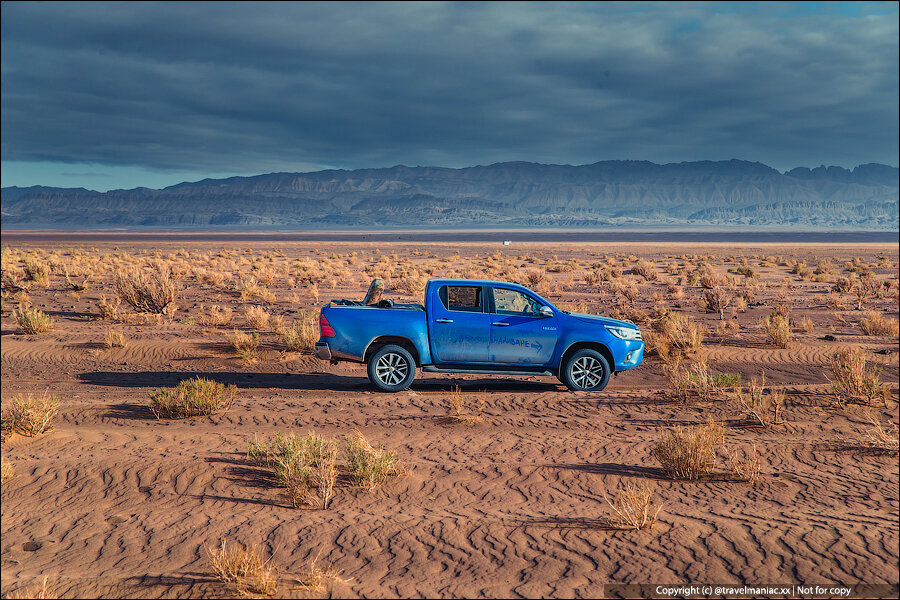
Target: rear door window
{"type": "Point", "coordinates": [466, 298]}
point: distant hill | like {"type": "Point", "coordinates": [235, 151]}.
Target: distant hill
{"type": "Point", "coordinates": [730, 193]}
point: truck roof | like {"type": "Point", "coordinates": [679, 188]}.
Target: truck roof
{"type": "Point", "coordinates": [476, 282]}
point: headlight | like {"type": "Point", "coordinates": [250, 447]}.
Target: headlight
{"type": "Point", "coordinates": [624, 333]}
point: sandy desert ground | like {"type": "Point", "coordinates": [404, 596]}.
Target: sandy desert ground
{"type": "Point", "coordinates": [113, 502]}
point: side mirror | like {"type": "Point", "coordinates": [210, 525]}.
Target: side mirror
{"type": "Point", "coordinates": [546, 311]}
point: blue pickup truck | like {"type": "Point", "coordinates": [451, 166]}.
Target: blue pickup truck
{"type": "Point", "coordinates": [474, 326]}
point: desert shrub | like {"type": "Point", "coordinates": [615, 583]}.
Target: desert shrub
{"type": "Point", "coordinates": [708, 280]}
{"type": "Point", "coordinates": [147, 290]}
{"type": "Point", "coordinates": [865, 288]}
{"type": "Point", "coordinates": [78, 286]}
{"type": "Point", "coordinates": [805, 325]}
{"type": "Point", "coordinates": [30, 415]}
{"type": "Point", "coordinates": [464, 410]}
{"type": "Point", "coordinates": [113, 338]}
{"type": "Point", "coordinates": [689, 453]}
{"type": "Point", "coordinates": [646, 270]}
{"type": "Point", "coordinates": [757, 405]}
{"type": "Point", "coordinates": [715, 300]}
{"type": "Point", "coordinates": [675, 332]}
{"type": "Point", "coordinates": [109, 309]}
{"type": "Point", "coordinates": [32, 320]}
{"type": "Point", "coordinates": [251, 289]}
{"type": "Point", "coordinates": [778, 330]}
{"type": "Point", "coordinates": [191, 398]}
{"type": "Point", "coordinates": [745, 465]}
{"type": "Point", "coordinates": [303, 334]}
{"type": "Point", "coordinates": [875, 323]}
{"type": "Point", "coordinates": [257, 318]}
{"type": "Point", "coordinates": [215, 316]}
{"type": "Point", "coordinates": [305, 466]}
{"type": "Point", "coordinates": [245, 568]}
{"type": "Point", "coordinates": [246, 345]}
{"type": "Point", "coordinates": [697, 381]}
{"type": "Point", "coordinates": [745, 270]}
{"type": "Point", "coordinates": [6, 471]}
{"type": "Point", "coordinates": [369, 466]}
{"type": "Point", "coordinates": [633, 508]}
{"type": "Point", "coordinates": [842, 285]}
{"type": "Point", "coordinates": [854, 381]}
{"type": "Point", "coordinates": [37, 272]}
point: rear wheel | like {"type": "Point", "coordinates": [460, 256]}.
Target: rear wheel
{"type": "Point", "coordinates": [586, 371]}
{"type": "Point", "coordinates": [391, 368]}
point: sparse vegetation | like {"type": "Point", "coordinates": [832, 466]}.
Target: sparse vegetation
{"type": "Point", "coordinates": [191, 398]}
{"type": "Point", "coordinates": [243, 567]}
{"type": "Point", "coordinates": [883, 438]}
{"type": "Point", "coordinates": [759, 406]}
{"type": "Point", "coordinates": [464, 410]}
{"type": "Point", "coordinates": [246, 345]}
{"type": "Point", "coordinates": [30, 414]}
{"type": "Point", "coordinates": [689, 453]}
{"type": "Point", "coordinates": [854, 381]}
{"type": "Point", "coordinates": [633, 507]}
{"type": "Point", "coordinates": [113, 338]}
{"type": "Point", "coordinates": [306, 466]}
{"type": "Point", "coordinates": [6, 471]}
{"type": "Point", "coordinates": [875, 323]}
{"type": "Point", "coordinates": [32, 320]}
{"type": "Point", "coordinates": [369, 466]}
{"type": "Point", "coordinates": [148, 290]}
{"type": "Point", "coordinates": [303, 334]}
{"type": "Point", "coordinates": [778, 330]}
{"type": "Point", "coordinates": [696, 381]}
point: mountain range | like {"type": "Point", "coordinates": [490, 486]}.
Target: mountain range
{"type": "Point", "coordinates": [632, 194]}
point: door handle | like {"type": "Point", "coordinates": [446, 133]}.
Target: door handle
{"type": "Point", "coordinates": [443, 320]}
{"type": "Point", "coordinates": [500, 324]}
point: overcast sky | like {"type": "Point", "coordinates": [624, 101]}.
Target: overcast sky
{"type": "Point", "coordinates": [127, 94]}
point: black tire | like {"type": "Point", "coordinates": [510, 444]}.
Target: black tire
{"type": "Point", "coordinates": [391, 368]}
{"type": "Point", "coordinates": [586, 371]}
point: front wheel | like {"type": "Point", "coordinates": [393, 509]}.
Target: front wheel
{"type": "Point", "coordinates": [586, 371]}
{"type": "Point", "coordinates": [391, 368]}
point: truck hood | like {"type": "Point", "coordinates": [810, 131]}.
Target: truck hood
{"type": "Point", "coordinates": [603, 320]}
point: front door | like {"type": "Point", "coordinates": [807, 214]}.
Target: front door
{"type": "Point", "coordinates": [519, 333]}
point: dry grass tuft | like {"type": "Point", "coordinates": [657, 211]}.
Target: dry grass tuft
{"type": "Point", "coordinates": [883, 439]}
{"type": "Point", "coordinates": [368, 466]}
{"type": "Point", "coordinates": [855, 382]}
{"type": "Point", "coordinates": [745, 465]}
{"type": "Point", "coordinates": [109, 309]}
{"type": "Point", "coordinates": [464, 410]}
{"type": "Point", "coordinates": [6, 471]}
{"type": "Point", "coordinates": [245, 568]}
{"type": "Point", "coordinates": [215, 316]}
{"type": "Point", "coordinates": [191, 398]}
{"type": "Point", "coordinates": [246, 345]}
{"type": "Point", "coordinates": [316, 580]}
{"type": "Point", "coordinates": [633, 508]}
{"type": "Point", "coordinates": [302, 336]}
{"type": "Point", "coordinates": [696, 381]}
{"type": "Point", "coordinates": [147, 290]}
{"type": "Point", "coordinates": [41, 592]}
{"type": "Point", "coordinates": [689, 453]}
{"type": "Point", "coordinates": [306, 466]}
{"type": "Point", "coordinates": [875, 323]}
{"type": "Point", "coordinates": [32, 320]}
{"type": "Point", "coordinates": [673, 334]}
{"type": "Point", "coordinates": [778, 330]}
{"type": "Point", "coordinates": [757, 405]}
{"type": "Point", "coordinates": [258, 318]}
{"type": "Point", "coordinates": [114, 338]}
{"type": "Point", "coordinates": [30, 415]}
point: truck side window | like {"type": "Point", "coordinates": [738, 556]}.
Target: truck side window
{"type": "Point", "coordinates": [512, 302]}
{"type": "Point", "coordinates": [464, 298]}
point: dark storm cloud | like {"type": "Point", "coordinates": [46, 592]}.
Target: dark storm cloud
{"type": "Point", "coordinates": [255, 87]}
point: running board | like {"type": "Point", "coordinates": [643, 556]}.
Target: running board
{"type": "Point", "coordinates": [433, 369]}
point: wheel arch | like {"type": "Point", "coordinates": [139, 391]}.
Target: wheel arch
{"type": "Point", "coordinates": [598, 346]}
{"type": "Point", "coordinates": [397, 340]}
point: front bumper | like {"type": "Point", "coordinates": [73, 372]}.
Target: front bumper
{"type": "Point", "coordinates": [633, 357]}
{"type": "Point", "coordinates": [323, 351]}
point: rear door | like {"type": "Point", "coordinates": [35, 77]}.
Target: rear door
{"type": "Point", "coordinates": [459, 326]}
{"type": "Point", "coordinates": [519, 333]}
